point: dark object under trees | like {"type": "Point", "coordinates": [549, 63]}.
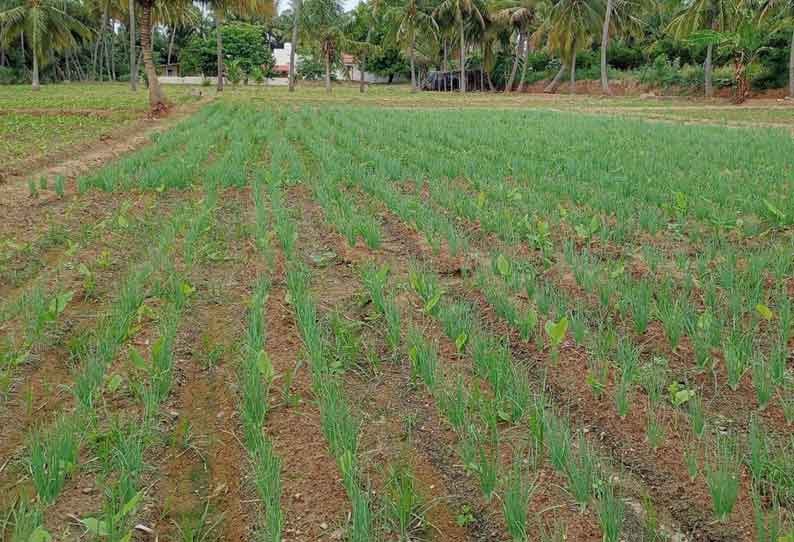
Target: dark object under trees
{"type": "Point", "coordinates": [450, 80]}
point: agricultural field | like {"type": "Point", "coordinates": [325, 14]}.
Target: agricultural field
{"type": "Point", "coordinates": [404, 317]}
{"type": "Point", "coordinates": [59, 120]}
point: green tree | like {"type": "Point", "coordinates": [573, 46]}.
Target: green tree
{"type": "Point", "coordinates": [323, 23]}
{"type": "Point", "coordinates": [220, 9]}
{"type": "Point", "coordinates": [619, 16]}
{"type": "Point", "coordinates": [408, 18]}
{"type": "Point", "coordinates": [460, 11]}
{"type": "Point", "coordinates": [573, 25]}
{"type": "Point", "coordinates": [518, 16]}
{"type": "Point", "coordinates": [704, 15]}
{"type": "Point", "coordinates": [46, 25]}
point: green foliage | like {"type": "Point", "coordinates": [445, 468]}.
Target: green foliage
{"type": "Point", "coordinates": [245, 46]}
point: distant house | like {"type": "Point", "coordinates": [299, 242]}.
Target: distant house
{"type": "Point", "coordinates": [281, 67]}
{"type": "Point", "coordinates": [348, 72]}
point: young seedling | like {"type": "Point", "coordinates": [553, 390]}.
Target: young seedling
{"type": "Point", "coordinates": [556, 332]}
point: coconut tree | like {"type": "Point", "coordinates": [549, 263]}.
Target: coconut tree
{"type": "Point", "coordinates": [133, 55]}
{"type": "Point", "coordinates": [408, 18]}
{"type": "Point", "coordinates": [619, 16]}
{"type": "Point", "coordinates": [47, 25]}
{"type": "Point", "coordinates": [573, 25]}
{"type": "Point", "coordinates": [518, 15]}
{"type": "Point", "coordinates": [296, 10]}
{"type": "Point", "coordinates": [323, 24]}
{"type": "Point", "coordinates": [704, 15]}
{"type": "Point", "coordinates": [220, 9]}
{"type": "Point", "coordinates": [460, 11]}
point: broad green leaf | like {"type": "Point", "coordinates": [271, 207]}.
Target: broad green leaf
{"type": "Point", "coordinates": [432, 302]}
{"type": "Point", "coordinates": [114, 383]}
{"type": "Point", "coordinates": [59, 302]}
{"type": "Point", "coordinates": [40, 534]}
{"type": "Point", "coordinates": [503, 265]}
{"type": "Point", "coordinates": [137, 359]}
{"type": "Point", "coordinates": [777, 213]}
{"type": "Point", "coordinates": [460, 341]}
{"type": "Point", "coordinates": [130, 505]}
{"type": "Point", "coordinates": [765, 312]}
{"type": "Point", "coordinates": [95, 526]}
{"type": "Point", "coordinates": [557, 330]}
{"type": "Point", "coordinates": [187, 289]}
{"type": "Point", "coordinates": [265, 366]}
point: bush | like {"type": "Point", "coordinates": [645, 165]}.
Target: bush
{"type": "Point", "coordinates": [242, 42]}
{"type": "Point", "coordinates": [312, 68]}
{"type": "Point", "coordinates": [10, 76]}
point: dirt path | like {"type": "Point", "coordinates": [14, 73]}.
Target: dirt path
{"type": "Point", "coordinates": [90, 155]}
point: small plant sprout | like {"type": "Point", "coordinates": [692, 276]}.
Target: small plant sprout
{"type": "Point", "coordinates": [654, 430]}
{"type": "Point", "coordinates": [581, 470]}
{"type": "Point", "coordinates": [60, 186]}
{"type": "Point", "coordinates": [692, 458]}
{"type": "Point", "coordinates": [33, 189]}
{"type": "Point", "coordinates": [556, 332]}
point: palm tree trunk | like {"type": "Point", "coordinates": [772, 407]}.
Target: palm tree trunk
{"type": "Point", "coordinates": [604, 44]}
{"type": "Point", "coordinates": [791, 68]}
{"type": "Point", "coordinates": [524, 67]}
{"type": "Point", "coordinates": [99, 41]}
{"type": "Point", "coordinates": [35, 55]}
{"type": "Point", "coordinates": [294, 45]}
{"type": "Point", "coordinates": [482, 68]}
{"type": "Point", "coordinates": [328, 71]}
{"type": "Point", "coordinates": [413, 62]}
{"type": "Point", "coordinates": [156, 98]}
{"type": "Point", "coordinates": [106, 49]}
{"type": "Point", "coordinates": [445, 64]}
{"type": "Point", "coordinates": [573, 72]}
{"type": "Point", "coordinates": [362, 83]}
{"type": "Point", "coordinates": [462, 57]}
{"type": "Point", "coordinates": [133, 67]}
{"type": "Point", "coordinates": [171, 45]}
{"type": "Point", "coordinates": [514, 70]}
{"type": "Point", "coordinates": [552, 87]}
{"type": "Point", "coordinates": [708, 70]}
{"type": "Point", "coordinates": [219, 48]}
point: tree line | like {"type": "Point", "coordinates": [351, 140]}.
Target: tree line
{"type": "Point", "coordinates": [501, 40]}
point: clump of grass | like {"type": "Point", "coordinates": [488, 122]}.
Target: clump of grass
{"type": "Point", "coordinates": [611, 511]}
{"type": "Point", "coordinates": [557, 435]}
{"type": "Point", "coordinates": [405, 506]}
{"type": "Point", "coordinates": [722, 475]}
{"type": "Point", "coordinates": [518, 490]}
{"type": "Point", "coordinates": [581, 470]}
{"type": "Point", "coordinates": [424, 358]}
{"type": "Point", "coordinates": [53, 457]}
{"type": "Point", "coordinates": [654, 429]}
